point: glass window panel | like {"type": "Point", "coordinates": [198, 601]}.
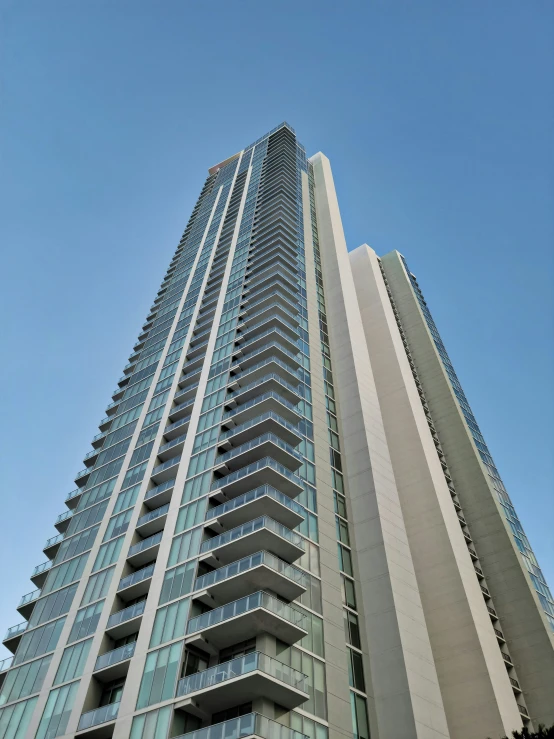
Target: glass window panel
{"type": "Point", "coordinates": [14, 720]}
{"type": "Point", "coordinates": [57, 711]}
{"type": "Point", "coordinates": [160, 675]}
{"type": "Point", "coordinates": [25, 680]}
{"type": "Point", "coordinates": [72, 662]}
{"type": "Point", "coordinates": [170, 622]}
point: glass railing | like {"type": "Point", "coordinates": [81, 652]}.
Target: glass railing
{"type": "Point", "coordinates": [29, 597]}
{"type": "Point", "coordinates": [181, 406]}
{"type": "Point", "coordinates": [243, 605]}
{"type": "Point", "coordinates": [268, 273]}
{"type": "Point", "coordinates": [102, 433]}
{"type": "Point", "coordinates": [170, 463]}
{"type": "Point", "coordinates": [93, 452]}
{"type": "Point", "coordinates": [248, 563]}
{"type": "Point", "coordinates": [268, 360]}
{"type": "Point", "coordinates": [41, 568]}
{"type": "Point", "coordinates": [15, 630]}
{"type": "Point", "coordinates": [238, 667]}
{"type": "Point", "coordinates": [275, 317]}
{"type": "Point", "coordinates": [248, 528]}
{"type": "Point", "coordinates": [145, 544]}
{"type": "Point", "coordinates": [245, 498]}
{"type": "Point", "coordinates": [5, 664]}
{"type": "Point", "coordinates": [258, 441]}
{"type": "Point", "coordinates": [116, 655]}
{"type": "Point", "coordinates": [73, 494]}
{"type": "Point", "coordinates": [261, 381]}
{"type": "Point", "coordinates": [186, 390]}
{"type": "Point", "coordinates": [63, 516]}
{"type": "Point", "coordinates": [273, 330]}
{"type": "Point", "coordinates": [256, 289]}
{"type": "Point", "coordinates": [172, 443]}
{"type": "Point", "coordinates": [99, 716]}
{"type": "Point", "coordinates": [264, 348]}
{"type": "Point", "coordinates": [53, 540]}
{"type": "Point", "coordinates": [243, 726]}
{"type": "Point", "coordinates": [267, 416]}
{"type": "Point", "coordinates": [252, 304]}
{"type": "Point", "coordinates": [82, 473]}
{"type": "Point", "coordinates": [156, 513]}
{"type": "Point", "coordinates": [254, 467]}
{"type": "Point", "coordinates": [275, 304]}
{"type": "Point", "coordinates": [136, 577]}
{"type": "Point", "coordinates": [159, 489]}
{"type": "Point", "coordinates": [260, 399]}
{"type": "Point", "coordinates": [176, 424]}
{"type": "Point", "coordinates": [137, 609]}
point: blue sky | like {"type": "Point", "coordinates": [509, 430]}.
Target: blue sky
{"type": "Point", "coordinates": [437, 118]}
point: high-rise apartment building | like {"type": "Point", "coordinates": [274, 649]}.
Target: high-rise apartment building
{"type": "Point", "coordinates": [289, 524]}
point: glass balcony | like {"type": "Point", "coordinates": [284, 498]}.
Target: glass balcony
{"type": "Point", "coordinates": [145, 550]}
{"type": "Point", "coordinates": [264, 500]}
{"type": "Point", "coordinates": [274, 283]}
{"type": "Point", "coordinates": [27, 603]}
{"type": "Point", "coordinates": [166, 470]}
{"type": "Point", "coordinates": [244, 679]}
{"type": "Point", "coordinates": [256, 328]}
{"type": "Point", "coordinates": [268, 401]}
{"type": "Point", "coordinates": [265, 445]}
{"type": "Point", "coordinates": [265, 470]}
{"type": "Point", "coordinates": [90, 458]}
{"type": "Point", "coordinates": [261, 534]}
{"type": "Point", "coordinates": [260, 302]}
{"type": "Point", "coordinates": [252, 724]}
{"type": "Point", "coordinates": [269, 381]}
{"type": "Point", "coordinates": [254, 314]}
{"type": "Point", "coordinates": [243, 619]}
{"type": "Point", "coordinates": [125, 622]}
{"type": "Point", "coordinates": [99, 716]}
{"type": "Point", "coordinates": [40, 573]}
{"type": "Point", "coordinates": [272, 422]}
{"type": "Point", "coordinates": [114, 664]}
{"type": "Point", "coordinates": [271, 348]}
{"type": "Point", "coordinates": [260, 369]}
{"type": "Point", "coordinates": [13, 636]}
{"type": "Point", "coordinates": [168, 450]}
{"type": "Point", "coordinates": [72, 498]}
{"type": "Point", "coordinates": [181, 409]}
{"type": "Point", "coordinates": [258, 281]}
{"type": "Point", "coordinates": [5, 664]}
{"type": "Point", "coordinates": [153, 521]}
{"type": "Point", "coordinates": [52, 545]}
{"type": "Point", "coordinates": [174, 429]}
{"type": "Point", "coordinates": [135, 584]}
{"type": "Point", "coordinates": [82, 477]}
{"type": "Point", "coordinates": [62, 521]}
{"type": "Point", "coordinates": [248, 347]}
{"type": "Point", "coordinates": [160, 494]}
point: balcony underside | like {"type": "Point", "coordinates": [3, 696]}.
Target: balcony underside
{"type": "Point", "coordinates": [265, 475]}
{"type": "Point", "coordinates": [261, 540]}
{"type": "Point", "coordinates": [263, 506]}
{"type": "Point", "coordinates": [250, 581]}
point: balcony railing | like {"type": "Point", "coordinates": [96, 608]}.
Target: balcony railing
{"type": "Point", "coordinates": [29, 597]}
{"type": "Point", "coordinates": [259, 399]}
{"type": "Point", "coordinates": [159, 489]}
{"type": "Point", "coordinates": [53, 540]}
{"type": "Point", "coordinates": [259, 441]}
{"type": "Point", "coordinates": [15, 630]}
{"type": "Point", "coordinates": [282, 308]}
{"type": "Point", "coordinates": [237, 668]}
{"type": "Point", "coordinates": [172, 443]}
{"type": "Point", "coordinates": [265, 348]}
{"type": "Point", "coordinates": [243, 605]}
{"type": "Point", "coordinates": [135, 577]}
{"type": "Point", "coordinates": [63, 516]}
{"type": "Point", "coordinates": [277, 293]}
{"type": "Point", "coordinates": [116, 655]}
{"type": "Point", "coordinates": [252, 724]}
{"type": "Point", "coordinates": [41, 568]}
{"type": "Point", "coordinates": [176, 424]}
{"type": "Point", "coordinates": [5, 664]}
{"type": "Point", "coordinates": [151, 541]}
{"type": "Point", "coordinates": [166, 465]}
{"type": "Point", "coordinates": [251, 495]}
{"type": "Point", "coordinates": [262, 381]}
{"type": "Point", "coordinates": [152, 515]}
{"type": "Point", "coordinates": [272, 359]}
{"type": "Point", "coordinates": [254, 467]}
{"type": "Point", "coordinates": [248, 563]}
{"type": "Point", "coordinates": [137, 609]}
{"type": "Point", "coordinates": [271, 331]}
{"type": "Point", "coordinates": [99, 716]}
{"type": "Point", "coordinates": [248, 528]}
{"type": "Point", "coordinates": [267, 416]}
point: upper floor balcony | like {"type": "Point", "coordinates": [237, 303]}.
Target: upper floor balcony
{"type": "Point", "coordinates": [172, 447]}
{"type": "Point", "coordinates": [181, 410]}
{"type": "Point", "coordinates": [159, 495]}
{"type": "Point", "coordinates": [40, 573]}
{"type": "Point", "coordinates": [13, 636]}
{"type": "Point", "coordinates": [250, 329]}
{"type": "Point", "coordinates": [63, 520]}
{"type": "Point", "coordinates": [153, 521]}
{"type": "Point", "coordinates": [98, 723]}
{"type": "Point", "coordinates": [115, 664]}
{"type": "Point", "coordinates": [265, 383]}
{"type": "Point", "coordinates": [27, 603]}
{"type": "Point", "coordinates": [135, 584]}
{"type": "Point", "coordinates": [260, 534]}
{"type": "Point", "coordinates": [269, 364]}
{"type": "Point", "coordinates": [243, 619]}
{"type": "Point", "coordinates": [273, 346]}
{"type": "Point", "coordinates": [177, 428]}
{"type": "Point", "coordinates": [258, 571]}
{"type": "Point", "coordinates": [269, 422]}
{"type": "Point", "coordinates": [242, 680]}
{"type": "Point", "coordinates": [72, 499]}
{"type": "Point", "coordinates": [166, 471]}
{"type": "Point", "coordinates": [52, 545]}
{"type": "Point", "coordinates": [255, 303]}
{"type": "Point", "coordinates": [5, 665]}
{"type": "Point", "coordinates": [263, 471]}
{"type": "Point", "coordinates": [265, 445]}
{"type": "Point", "coordinates": [144, 551]}
{"type": "Point", "coordinates": [125, 622]}
{"type": "Point", "coordinates": [249, 346]}
{"type": "Point", "coordinates": [250, 725]}
{"type": "Point", "coordinates": [268, 401]}
{"type": "Point", "coordinates": [252, 315]}
{"type": "Point", "coordinates": [264, 500]}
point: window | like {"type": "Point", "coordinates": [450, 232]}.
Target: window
{"type": "Point", "coordinates": [170, 622]}
{"type": "Point", "coordinates": [315, 672]}
{"type": "Point", "coordinates": [107, 554]}
{"type": "Point", "coordinates": [345, 560]}
{"type": "Point", "coordinates": [97, 586]}
{"type": "Point", "coordinates": [312, 597]}
{"type": "Point", "coordinates": [15, 719]}
{"type": "Point", "coordinates": [360, 722]}
{"type": "Point", "coordinates": [72, 662]}
{"type": "Point", "coordinates": [314, 626]}
{"type": "Point", "coordinates": [310, 559]}
{"type": "Point", "coordinates": [57, 711]}
{"type": "Point", "coordinates": [152, 725]}
{"type": "Point", "coordinates": [308, 726]}
{"type": "Point", "coordinates": [348, 593]}
{"type": "Point", "coordinates": [184, 546]}
{"type": "Point", "coordinates": [126, 498]}
{"type": "Point", "coordinates": [77, 544]}
{"type": "Point", "coordinates": [52, 606]}
{"type": "Point", "coordinates": [356, 670]}
{"type": "Point", "coordinates": [342, 531]}
{"type": "Point", "coordinates": [340, 504]}
{"type": "Point", "coordinates": [24, 680]}
{"type": "Point", "coordinates": [86, 621]}
{"type": "Point", "coordinates": [190, 515]}
{"type": "Point", "coordinates": [118, 524]}
{"type": "Point", "coordinates": [352, 629]}
{"type": "Point", "coordinates": [160, 675]}
{"type": "Point", "coordinates": [178, 582]}
{"type": "Point", "coordinates": [39, 641]}
{"type": "Point", "coordinates": [64, 574]}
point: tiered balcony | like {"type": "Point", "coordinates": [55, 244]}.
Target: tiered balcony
{"type": "Point", "coordinates": [269, 401]}
{"type": "Point", "coordinates": [13, 636]}
{"type": "Point", "coordinates": [250, 725]}
{"type": "Point", "coordinates": [242, 680]}
{"type": "Point", "coordinates": [52, 545]}
{"type": "Point", "coordinates": [260, 534]}
{"type": "Point", "coordinates": [269, 381]}
{"type": "Point", "coordinates": [166, 470]}
{"type": "Point", "coordinates": [171, 448]}
{"type": "Point", "coordinates": [255, 371]}
{"type": "Point", "coordinates": [5, 665]}
{"type": "Point", "coordinates": [177, 428]}
{"type": "Point", "coordinates": [152, 522]}
{"type": "Point", "coordinates": [144, 551]}
{"type": "Point", "coordinates": [250, 316]}
{"type": "Point", "coordinates": [243, 619]}
{"type": "Point", "coordinates": [266, 445]}
{"type": "Point", "coordinates": [135, 584]}
{"type": "Point", "coordinates": [263, 471]}
{"type": "Point", "coordinates": [270, 421]}
{"type": "Point", "coordinates": [125, 622]}
{"type": "Point", "coordinates": [270, 348]}
{"type": "Point", "coordinates": [63, 521]}
{"type": "Point", "coordinates": [72, 499]}
{"type": "Point", "coordinates": [115, 664]}
{"type": "Point", "coordinates": [250, 330]}
{"type": "Point", "coordinates": [264, 500]}
{"type": "Point", "coordinates": [99, 723]}
{"type": "Point", "coordinates": [260, 302]}
{"type": "Point", "coordinates": [258, 341]}
{"type": "Point", "coordinates": [27, 603]}
{"type": "Point", "coordinates": [159, 495]}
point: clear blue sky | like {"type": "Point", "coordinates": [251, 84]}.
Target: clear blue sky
{"type": "Point", "coordinates": [437, 117]}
